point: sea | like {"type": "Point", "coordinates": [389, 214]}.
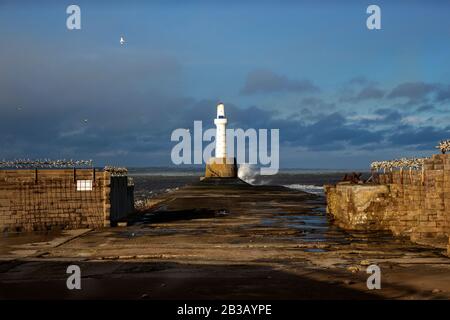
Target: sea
{"type": "Point", "coordinates": [150, 182]}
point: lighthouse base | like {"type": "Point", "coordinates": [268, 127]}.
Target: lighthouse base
{"type": "Point", "coordinates": [221, 168]}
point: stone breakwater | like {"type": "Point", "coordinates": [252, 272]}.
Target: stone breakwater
{"type": "Point", "coordinates": [222, 239]}
{"type": "Point", "coordinates": [409, 203]}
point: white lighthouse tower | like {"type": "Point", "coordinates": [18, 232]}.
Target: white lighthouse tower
{"type": "Point", "coordinates": [221, 127]}
{"type": "Point", "coordinates": [220, 166]}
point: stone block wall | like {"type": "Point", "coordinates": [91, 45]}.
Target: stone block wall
{"type": "Point", "coordinates": [32, 200]}
{"type": "Point", "coordinates": [412, 203]}
{"type": "Point", "coordinates": [221, 168]}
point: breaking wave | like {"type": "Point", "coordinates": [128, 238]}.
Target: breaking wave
{"type": "Point", "coordinates": [248, 173]}
{"type": "Point", "coordinates": [307, 188]}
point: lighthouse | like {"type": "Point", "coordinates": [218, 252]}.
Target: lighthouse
{"type": "Point", "coordinates": [221, 166]}
{"type": "Point", "coordinates": [221, 129]}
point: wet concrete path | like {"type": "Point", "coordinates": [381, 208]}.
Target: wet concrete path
{"type": "Point", "coordinates": [229, 241]}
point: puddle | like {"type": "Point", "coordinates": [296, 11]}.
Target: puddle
{"type": "Point", "coordinates": [313, 226]}
{"type": "Point", "coordinates": [306, 221]}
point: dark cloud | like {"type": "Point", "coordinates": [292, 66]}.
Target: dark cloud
{"type": "Point", "coordinates": [414, 91]}
{"type": "Point", "coordinates": [388, 115]}
{"type": "Point", "coordinates": [140, 130]}
{"type": "Point", "coordinates": [313, 109]}
{"type": "Point", "coordinates": [329, 132]}
{"type": "Point", "coordinates": [380, 117]}
{"type": "Point", "coordinates": [334, 132]}
{"type": "Point", "coordinates": [421, 138]}
{"type": "Point", "coordinates": [426, 108]}
{"type": "Point", "coordinates": [366, 93]}
{"type": "Point", "coordinates": [266, 81]}
{"type": "Point", "coordinates": [419, 92]}
{"type": "Point", "coordinates": [360, 88]}
{"type": "Point", "coordinates": [369, 93]}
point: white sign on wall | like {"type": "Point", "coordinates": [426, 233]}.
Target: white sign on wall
{"type": "Point", "coordinates": [84, 185]}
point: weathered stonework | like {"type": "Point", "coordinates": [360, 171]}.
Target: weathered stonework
{"type": "Point", "coordinates": [412, 203]}
{"type": "Point", "coordinates": [357, 207]}
{"type": "Point", "coordinates": [221, 168]}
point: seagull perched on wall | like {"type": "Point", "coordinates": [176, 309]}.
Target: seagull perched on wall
{"type": "Point", "coordinates": [122, 41]}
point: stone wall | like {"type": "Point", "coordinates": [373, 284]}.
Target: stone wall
{"type": "Point", "coordinates": [411, 203]}
{"type": "Point", "coordinates": [32, 200]}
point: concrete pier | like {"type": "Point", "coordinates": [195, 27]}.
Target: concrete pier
{"type": "Point", "coordinates": [224, 239]}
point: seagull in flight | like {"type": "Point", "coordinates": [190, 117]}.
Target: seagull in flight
{"type": "Point", "coordinates": [122, 40]}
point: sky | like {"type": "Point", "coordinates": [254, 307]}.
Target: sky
{"type": "Point", "coordinates": [341, 95]}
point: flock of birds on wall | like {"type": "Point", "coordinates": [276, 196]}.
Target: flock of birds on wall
{"type": "Point", "coordinates": [116, 171]}
{"type": "Point", "coordinates": [405, 163]}
{"type": "Point", "coordinates": [58, 164]}
{"type": "Point", "coordinates": [45, 164]}
{"type": "Point", "coordinates": [412, 163]}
